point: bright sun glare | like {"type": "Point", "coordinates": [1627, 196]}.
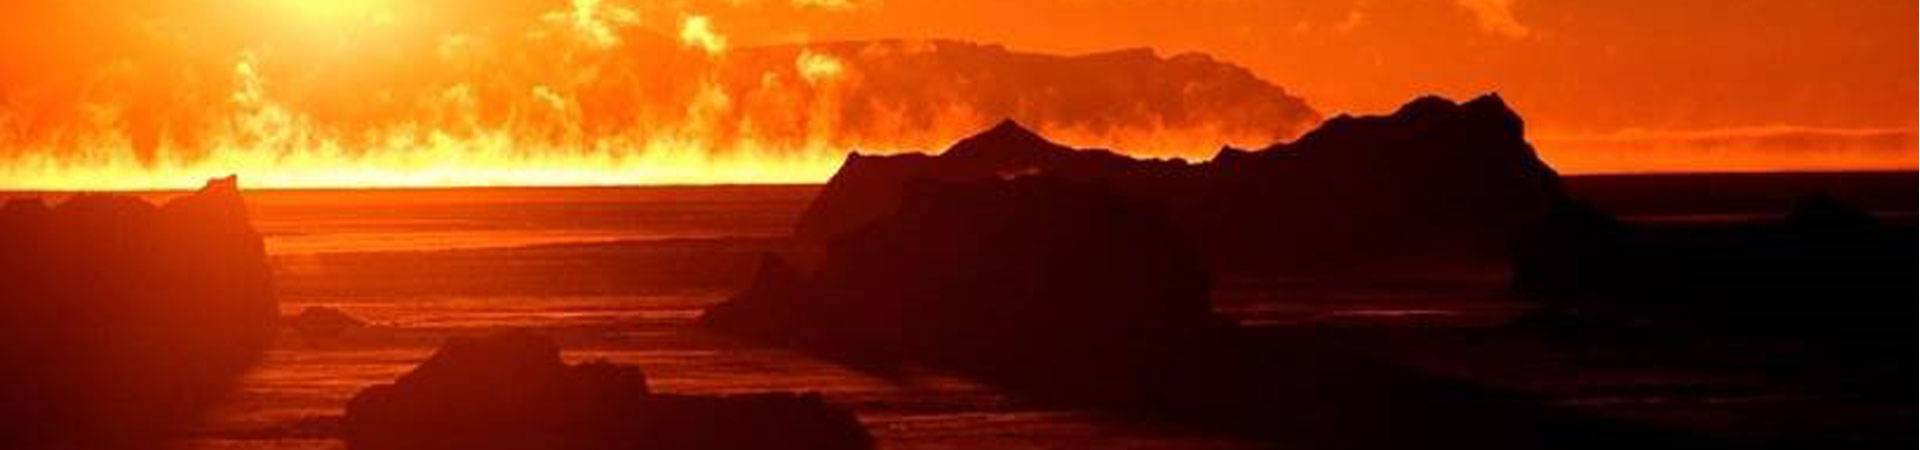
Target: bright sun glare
{"type": "Point", "coordinates": [336, 13]}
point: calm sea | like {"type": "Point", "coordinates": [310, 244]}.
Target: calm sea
{"type": "Point", "coordinates": [613, 273]}
{"type": "Point", "coordinates": [622, 274]}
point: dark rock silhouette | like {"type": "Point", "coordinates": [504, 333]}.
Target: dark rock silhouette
{"type": "Point", "coordinates": [323, 321]}
{"type": "Point", "coordinates": [1742, 194]}
{"type": "Point", "coordinates": [512, 391]}
{"type": "Point", "coordinates": [1066, 291]}
{"type": "Point", "coordinates": [1820, 298]}
{"type": "Point", "coordinates": [1435, 183]}
{"type": "Point", "coordinates": [867, 187]}
{"type": "Point", "coordinates": [976, 260]}
{"type": "Point", "coordinates": [1823, 216]}
{"type": "Point", "coordinates": [1825, 265]}
{"type": "Point", "coordinates": [1031, 272]}
{"type": "Point", "coordinates": [120, 319]}
{"type": "Point", "coordinates": [1344, 199]}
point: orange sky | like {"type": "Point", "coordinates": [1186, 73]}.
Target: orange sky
{"type": "Point", "coordinates": [1570, 66]}
{"type": "Point", "coordinates": [1605, 86]}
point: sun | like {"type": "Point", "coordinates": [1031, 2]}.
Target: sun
{"type": "Point", "coordinates": [334, 13]}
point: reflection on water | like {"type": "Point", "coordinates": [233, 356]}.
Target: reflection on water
{"type": "Point", "coordinates": [287, 400]}
{"type": "Point", "coordinates": [617, 273]}
{"type": "Point", "coordinates": [621, 274]}
{"type": "Point", "coordinates": [303, 222]}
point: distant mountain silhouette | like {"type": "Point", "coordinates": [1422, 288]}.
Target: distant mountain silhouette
{"type": "Point", "coordinates": [512, 391]}
{"type": "Point", "coordinates": [119, 319]}
{"type": "Point", "coordinates": [1435, 183]}
{"type": "Point", "coordinates": [890, 93]}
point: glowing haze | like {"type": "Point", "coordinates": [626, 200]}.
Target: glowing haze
{"type": "Point", "coordinates": [99, 94]}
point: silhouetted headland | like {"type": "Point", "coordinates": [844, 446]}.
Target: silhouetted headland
{"type": "Point", "coordinates": [1084, 276]}
{"type": "Point", "coordinates": [1064, 291]}
{"type": "Point", "coordinates": [1033, 272]}
{"type": "Point", "coordinates": [119, 319]}
{"type": "Point", "coordinates": [1435, 184]}
{"type": "Point", "coordinates": [512, 391]}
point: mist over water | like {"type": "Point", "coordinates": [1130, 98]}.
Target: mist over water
{"type": "Point", "coordinates": [312, 222]}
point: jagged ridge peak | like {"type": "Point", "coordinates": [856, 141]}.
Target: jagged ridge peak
{"type": "Point", "coordinates": [1434, 160]}
{"type": "Point", "coordinates": [1430, 105]}
{"type": "Point", "coordinates": [1426, 105]}
{"type": "Point", "coordinates": [1491, 107]}
{"type": "Point", "coordinates": [1486, 115]}
{"type": "Point", "coordinates": [1006, 138]}
{"type": "Point", "coordinates": [1487, 108]}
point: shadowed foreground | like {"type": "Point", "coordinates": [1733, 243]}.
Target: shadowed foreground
{"type": "Point", "coordinates": [1083, 277]}
{"type": "Point", "coordinates": [119, 320]}
{"type": "Point", "coordinates": [1066, 293]}
{"type": "Point", "coordinates": [512, 391]}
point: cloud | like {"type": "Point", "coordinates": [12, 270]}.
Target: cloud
{"type": "Point", "coordinates": [1496, 17]}
{"type": "Point", "coordinates": [1776, 137]}
{"type": "Point", "coordinates": [1354, 20]}
{"type": "Point", "coordinates": [817, 67]}
{"type": "Point", "coordinates": [697, 31]}
{"type": "Point", "coordinates": [598, 22]}
{"type": "Point", "coordinates": [1744, 148]}
{"type": "Point", "coordinates": [826, 4]}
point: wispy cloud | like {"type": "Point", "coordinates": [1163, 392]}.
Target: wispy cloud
{"type": "Point", "coordinates": [1496, 17]}
{"type": "Point", "coordinates": [826, 4]}
{"type": "Point", "coordinates": [1745, 148]}
{"type": "Point", "coordinates": [697, 31]}
{"type": "Point", "coordinates": [1354, 20]}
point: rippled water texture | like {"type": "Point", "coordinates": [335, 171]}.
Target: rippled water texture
{"type": "Point", "coordinates": [617, 274]}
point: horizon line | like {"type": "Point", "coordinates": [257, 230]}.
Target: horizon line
{"type": "Point", "coordinates": [457, 187]}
